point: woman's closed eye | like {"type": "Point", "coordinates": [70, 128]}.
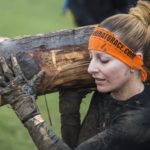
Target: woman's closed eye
{"type": "Point", "coordinates": [104, 61]}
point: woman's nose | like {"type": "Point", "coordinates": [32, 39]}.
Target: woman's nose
{"type": "Point", "coordinates": [92, 68]}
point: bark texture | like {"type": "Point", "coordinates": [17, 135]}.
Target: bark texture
{"type": "Point", "coordinates": [63, 55]}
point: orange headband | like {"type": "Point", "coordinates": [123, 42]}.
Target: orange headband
{"type": "Point", "coordinates": [103, 40]}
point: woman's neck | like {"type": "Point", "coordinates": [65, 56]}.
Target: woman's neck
{"type": "Point", "coordinates": [128, 90]}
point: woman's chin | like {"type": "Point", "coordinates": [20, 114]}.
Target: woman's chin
{"type": "Point", "coordinates": [103, 89]}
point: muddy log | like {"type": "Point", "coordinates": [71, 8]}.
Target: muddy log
{"type": "Point", "coordinates": [63, 55]}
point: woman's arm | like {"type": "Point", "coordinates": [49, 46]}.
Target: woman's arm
{"type": "Point", "coordinates": [129, 129]}
{"type": "Point", "coordinates": [20, 93]}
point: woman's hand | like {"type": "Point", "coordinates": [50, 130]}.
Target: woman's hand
{"type": "Point", "coordinates": [17, 91]}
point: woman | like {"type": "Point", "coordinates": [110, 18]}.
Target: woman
{"type": "Point", "coordinates": [117, 47]}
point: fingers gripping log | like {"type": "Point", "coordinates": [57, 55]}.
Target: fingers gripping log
{"type": "Point", "coordinates": [62, 55]}
{"type": "Point", "coordinates": [18, 91]}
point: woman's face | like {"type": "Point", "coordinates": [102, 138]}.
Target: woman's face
{"type": "Point", "coordinates": [110, 74]}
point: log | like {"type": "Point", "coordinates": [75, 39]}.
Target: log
{"type": "Point", "coordinates": [63, 56]}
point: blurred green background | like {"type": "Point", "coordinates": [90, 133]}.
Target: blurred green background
{"type": "Point", "coordinates": [30, 17]}
{"type": "Point", "coordinates": [23, 17]}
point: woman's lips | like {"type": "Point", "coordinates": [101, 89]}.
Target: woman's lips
{"type": "Point", "coordinates": [99, 81]}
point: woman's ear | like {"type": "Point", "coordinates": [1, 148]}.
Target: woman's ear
{"type": "Point", "coordinates": [140, 54]}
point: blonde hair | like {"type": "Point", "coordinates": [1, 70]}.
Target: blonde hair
{"type": "Point", "coordinates": [133, 28]}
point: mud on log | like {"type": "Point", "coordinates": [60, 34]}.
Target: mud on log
{"type": "Point", "coordinates": [63, 55]}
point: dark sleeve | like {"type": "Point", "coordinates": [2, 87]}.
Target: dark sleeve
{"type": "Point", "coordinates": [69, 106]}
{"type": "Point", "coordinates": [90, 124]}
{"type": "Point", "coordinates": [130, 128]}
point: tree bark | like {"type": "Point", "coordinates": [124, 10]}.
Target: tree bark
{"type": "Point", "coordinates": [62, 55]}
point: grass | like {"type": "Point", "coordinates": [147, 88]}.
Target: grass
{"type": "Point", "coordinates": [29, 17]}
{"type": "Point", "coordinates": [23, 17]}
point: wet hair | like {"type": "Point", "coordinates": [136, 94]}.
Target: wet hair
{"type": "Point", "coordinates": [133, 28]}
